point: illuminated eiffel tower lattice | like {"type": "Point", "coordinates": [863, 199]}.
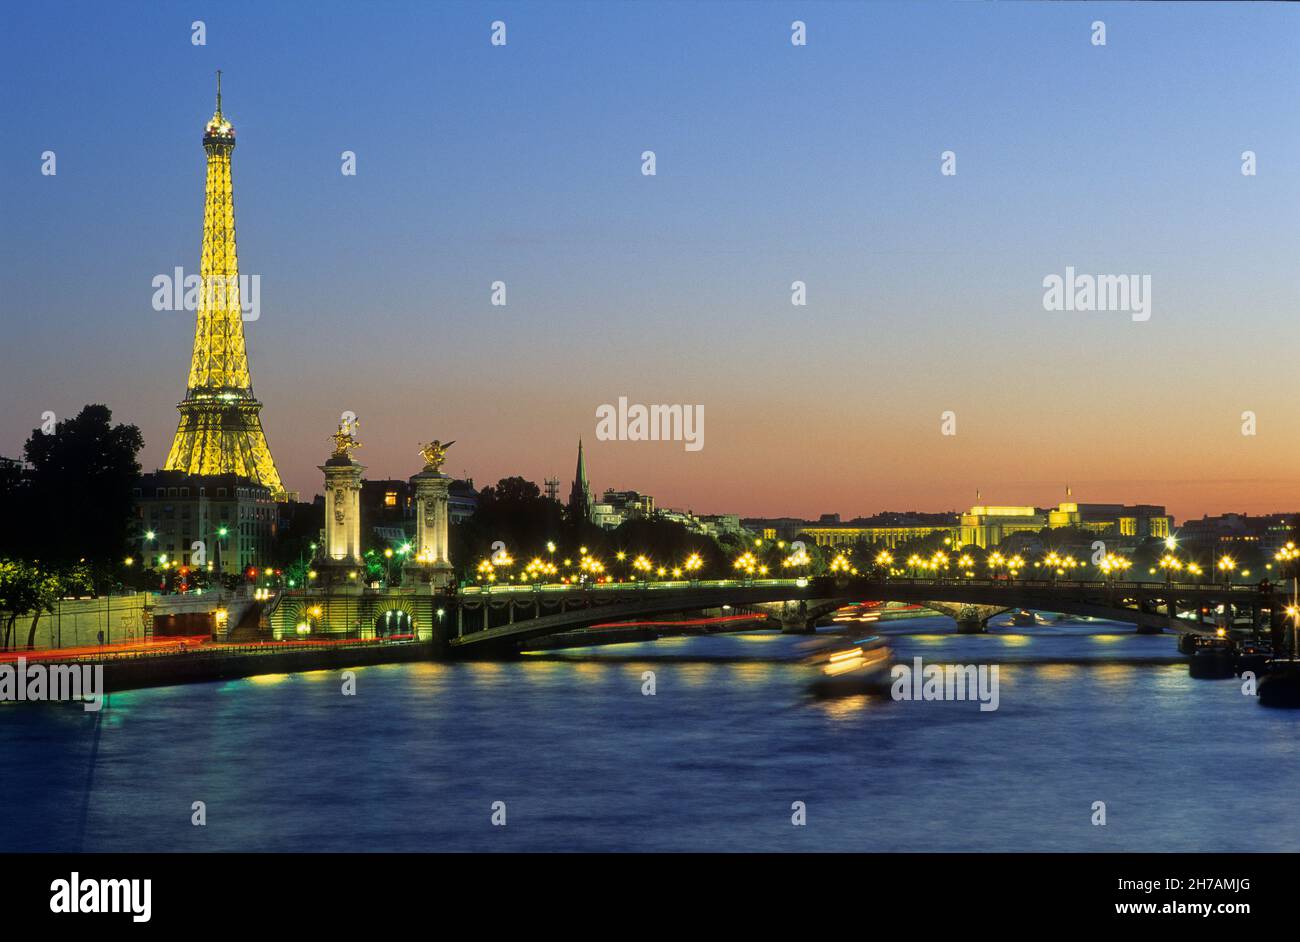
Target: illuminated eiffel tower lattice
{"type": "Point", "coordinates": [220, 431]}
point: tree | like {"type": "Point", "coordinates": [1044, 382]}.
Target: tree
{"type": "Point", "coordinates": [24, 589]}
{"type": "Point", "coordinates": [514, 512]}
{"type": "Point", "coordinates": [666, 542]}
{"type": "Point", "coordinates": [80, 484]}
{"type": "Point", "coordinates": [47, 589]}
{"type": "Point", "coordinates": [15, 594]}
{"type": "Point", "coordinates": [27, 589]}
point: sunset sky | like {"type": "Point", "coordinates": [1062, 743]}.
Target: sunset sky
{"type": "Point", "coordinates": [775, 163]}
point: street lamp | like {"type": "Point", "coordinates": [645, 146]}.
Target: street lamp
{"type": "Point", "coordinates": [797, 559]}
{"type": "Point", "coordinates": [221, 552]}
{"type": "Point", "coordinates": [1287, 554]}
{"type": "Point", "coordinates": [1112, 565]}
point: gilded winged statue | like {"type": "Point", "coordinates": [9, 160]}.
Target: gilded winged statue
{"type": "Point", "coordinates": [434, 454]}
{"type": "Point", "coordinates": [345, 440]}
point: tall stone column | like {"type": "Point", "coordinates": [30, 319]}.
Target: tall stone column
{"type": "Point", "coordinates": [432, 560]}
{"type": "Point", "coordinates": [343, 510]}
{"type": "Point", "coordinates": [341, 551]}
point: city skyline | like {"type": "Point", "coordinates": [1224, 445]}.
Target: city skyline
{"type": "Point", "coordinates": [810, 426]}
{"type": "Point", "coordinates": [376, 287]}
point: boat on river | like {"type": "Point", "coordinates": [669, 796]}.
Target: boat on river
{"type": "Point", "coordinates": [1212, 657]}
{"type": "Point", "coordinates": [848, 667]}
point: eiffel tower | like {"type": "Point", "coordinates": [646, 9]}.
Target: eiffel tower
{"type": "Point", "coordinates": [220, 431]}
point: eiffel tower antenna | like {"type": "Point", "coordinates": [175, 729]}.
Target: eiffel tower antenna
{"type": "Point", "coordinates": [218, 91]}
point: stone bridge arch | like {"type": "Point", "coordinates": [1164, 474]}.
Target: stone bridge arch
{"type": "Point", "coordinates": [381, 605]}
{"type": "Point", "coordinates": [971, 618]}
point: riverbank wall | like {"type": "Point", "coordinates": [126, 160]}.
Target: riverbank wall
{"type": "Point", "coordinates": [221, 662]}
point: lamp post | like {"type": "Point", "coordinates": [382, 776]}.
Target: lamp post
{"type": "Point", "coordinates": [221, 551]}
{"type": "Point", "coordinates": [1170, 564]}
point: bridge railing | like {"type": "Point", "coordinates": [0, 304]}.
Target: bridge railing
{"type": "Point", "coordinates": [577, 588]}
{"type": "Point", "coordinates": [1020, 583]}
{"type": "Point", "coordinates": [818, 582]}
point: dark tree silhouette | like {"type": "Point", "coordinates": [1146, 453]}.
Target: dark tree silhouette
{"type": "Point", "coordinates": [514, 512]}
{"type": "Point", "coordinates": [79, 502]}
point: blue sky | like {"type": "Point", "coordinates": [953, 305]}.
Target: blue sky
{"type": "Point", "coordinates": [775, 163]}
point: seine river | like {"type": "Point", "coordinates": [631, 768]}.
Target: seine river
{"type": "Point", "coordinates": [713, 761]}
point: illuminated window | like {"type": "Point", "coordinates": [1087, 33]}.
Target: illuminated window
{"type": "Point", "coordinates": [390, 498]}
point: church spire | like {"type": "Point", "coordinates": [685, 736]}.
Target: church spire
{"type": "Point", "coordinates": [580, 494]}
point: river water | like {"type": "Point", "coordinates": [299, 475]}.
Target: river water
{"type": "Point", "coordinates": [714, 760]}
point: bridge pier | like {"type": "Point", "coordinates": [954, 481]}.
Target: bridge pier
{"type": "Point", "coordinates": [800, 617]}
{"type": "Point", "coordinates": [1151, 627]}
{"type": "Point", "coordinates": [970, 619]}
{"type": "Point", "coordinates": [1171, 621]}
{"type": "Point", "coordinates": [794, 619]}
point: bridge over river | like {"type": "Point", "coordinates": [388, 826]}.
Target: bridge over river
{"type": "Point", "coordinates": [493, 621]}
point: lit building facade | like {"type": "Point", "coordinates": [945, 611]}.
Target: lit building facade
{"type": "Point", "coordinates": [988, 526]}
{"type": "Point", "coordinates": [1237, 532]}
{"type": "Point", "coordinates": [889, 535]}
{"type": "Point", "coordinates": [182, 510]}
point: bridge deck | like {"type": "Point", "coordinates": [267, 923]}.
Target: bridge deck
{"type": "Point", "coordinates": [582, 605]}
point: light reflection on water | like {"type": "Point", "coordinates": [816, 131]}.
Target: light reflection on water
{"type": "Point", "coordinates": [712, 761]}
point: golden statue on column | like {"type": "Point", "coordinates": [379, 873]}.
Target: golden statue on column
{"type": "Point", "coordinates": [434, 454]}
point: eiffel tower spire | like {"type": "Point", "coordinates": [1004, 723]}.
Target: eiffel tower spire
{"type": "Point", "coordinates": [220, 431]}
